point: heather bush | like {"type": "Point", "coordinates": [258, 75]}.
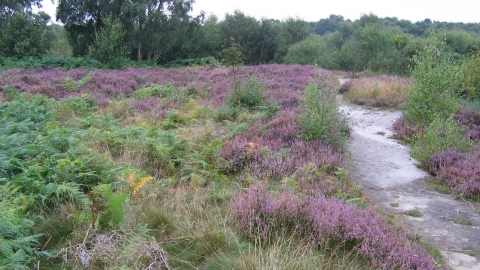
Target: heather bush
{"type": "Point", "coordinates": [404, 130]}
{"type": "Point", "coordinates": [327, 222]}
{"type": "Point", "coordinates": [319, 116]}
{"type": "Point", "coordinates": [346, 86]}
{"type": "Point", "coordinates": [471, 119]}
{"type": "Point", "coordinates": [457, 170]}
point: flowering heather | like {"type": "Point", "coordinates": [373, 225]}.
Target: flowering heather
{"type": "Point", "coordinates": [284, 150]}
{"type": "Point", "coordinates": [471, 119]}
{"type": "Point", "coordinates": [459, 171]}
{"type": "Point", "coordinates": [404, 130]}
{"type": "Point", "coordinates": [284, 82]}
{"type": "Point", "coordinates": [326, 222]}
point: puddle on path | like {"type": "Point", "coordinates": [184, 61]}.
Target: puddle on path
{"type": "Point", "coordinates": [389, 176]}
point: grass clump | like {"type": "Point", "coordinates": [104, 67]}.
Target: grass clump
{"type": "Point", "coordinates": [394, 204]}
{"type": "Point", "coordinates": [414, 213]}
{"type": "Point", "coordinates": [463, 221]}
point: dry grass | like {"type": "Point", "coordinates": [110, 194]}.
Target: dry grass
{"type": "Point", "coordinates": [379, 91]}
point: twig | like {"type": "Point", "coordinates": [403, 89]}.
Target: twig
{"type": "Point", "coordinates": [458, 251]}
{"type": "Point", "coordinates": [468, 203]}
{"type": "Point", "coordinates": [46, 243]}
{"type": "Point", "coordinates": [86, 235]}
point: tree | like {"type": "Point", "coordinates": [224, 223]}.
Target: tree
{"type": "Point", "coordinates": [8, 8]}
{"type": "Point", "coordinates": [23, 33]}
{"type": "Point", "coordinates": [244, 30]}
{"type": "Point", "coordinates": [291, 31]}
{"type": "Point", "coordinates": [158, 29]}
{"type": "Point", "coordinates": [109, 46]}
{"type": "Point", "coordinates": [329, 25]}
{"type": "Point", "coordinates": [21, 30]}
{"type": "Point", "coordinates": [433, 94]}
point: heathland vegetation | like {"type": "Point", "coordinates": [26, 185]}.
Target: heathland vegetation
{"type": "Point", "coordinates": [115, 155]}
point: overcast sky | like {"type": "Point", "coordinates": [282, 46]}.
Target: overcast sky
{"type": "Point", "coordinates": [313, 10]}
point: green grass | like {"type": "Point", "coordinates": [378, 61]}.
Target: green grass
{"type": "Point", "coordinates": [463, 221]}
{"type": "Point", "coordinates": [414, 213]}
{"type": "Point", "coordinates": [394, 204]}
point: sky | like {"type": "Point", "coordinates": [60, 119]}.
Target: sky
{"type": "Point", "coordinates": [465, 11]}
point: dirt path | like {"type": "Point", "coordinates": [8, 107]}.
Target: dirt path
{"type": "Point", "coordinates": [388, 175]}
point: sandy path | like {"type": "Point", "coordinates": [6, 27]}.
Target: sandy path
{"type": "Point", "coordinates": [388, 175]}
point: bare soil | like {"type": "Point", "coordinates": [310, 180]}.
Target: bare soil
{"type": "Point", "coordinates": [391, 180]}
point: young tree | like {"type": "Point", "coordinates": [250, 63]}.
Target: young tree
{"type": "Point", "coordinates": [109, 46]}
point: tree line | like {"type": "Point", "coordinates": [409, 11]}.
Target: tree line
{"type": "Point", "coordinates": [162, 31]}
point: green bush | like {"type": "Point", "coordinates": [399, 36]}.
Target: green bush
{"type": "Point", "coordinates": [319, 116]}
{"type": "Point", "coordinates": [433, 93]}
{"type": "Point", "coordinates": [109, 47]}
{"type": "Point", "coordinates": [440, 135]}
{"type": "Point", "coordinates": [154, 90]}
{"type": "Point", "coordinates": [471, 79]}
{"type": "Point", "coordinates": [247, 95]}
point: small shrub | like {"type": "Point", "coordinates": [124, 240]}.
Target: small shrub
{"type": "Point", "coordinates": [471, 79]}
{"type": "Point", "coordinates": [154, 90]}
{"type": "Point", "coordinates": [432, 94]}
{"type": "Point", "coordinates": [226, 113]}
{"type": "Point", "coordinates": [319, 117]}
{"type": "Point", "coordinates": [458, 171]}
{"type": "Point", "coordinates": [346, 86]}
{"type": "Point", "coordinates": [247, 95]}
{"type": "Point", "coordinates": [394, 204]}
{"type": "Point", "coordinates": [440, 135]}
{"type": "Point", "coordinates": [404, 130]}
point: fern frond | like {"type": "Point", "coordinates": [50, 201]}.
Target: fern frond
{"type": "Point", "coordinates": [137, 182]}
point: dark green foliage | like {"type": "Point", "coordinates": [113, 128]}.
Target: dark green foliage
{"type": "Point", "coordinates": [329, 25]}
{"type": "Point", "coordinates": [22, 35]}
{"type": "Point", "coordinates": [290, 32]}
{"type": "Point", "coordinates": [51, 61]}
{"type": "Point", "coordinates": [232, 57]}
